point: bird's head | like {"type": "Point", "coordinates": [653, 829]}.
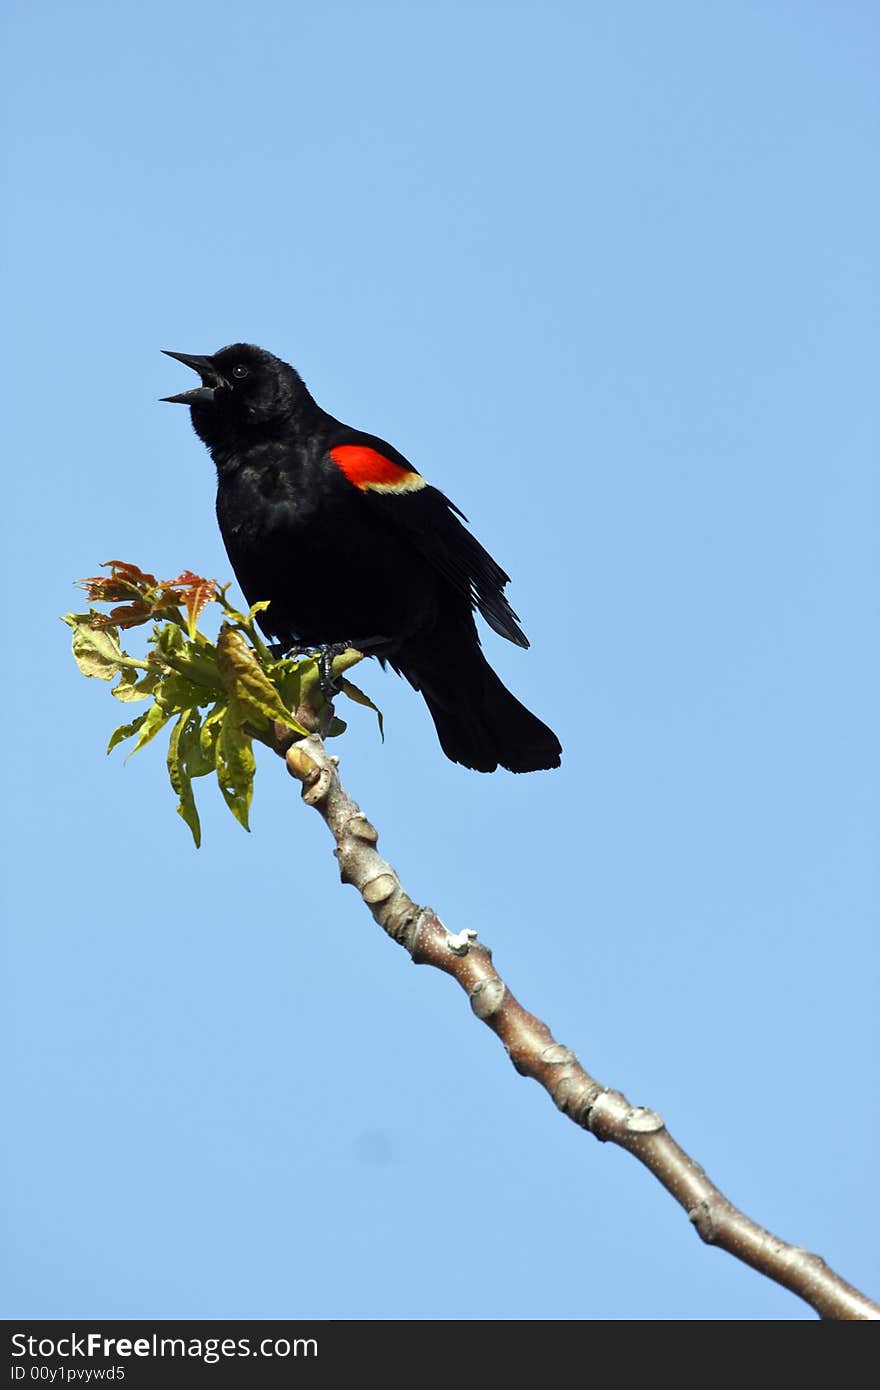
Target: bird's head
{"type": "Point", "coordinates": [244, 389]}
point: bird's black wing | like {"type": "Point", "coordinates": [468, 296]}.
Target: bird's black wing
{"type": "Point", "coordinates": [392, 488]}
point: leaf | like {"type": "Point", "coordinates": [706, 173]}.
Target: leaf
{"type": "Point", "coordinates": [154, 720]}
{"type": "Point", "coordinates": [183, 736]}
{"type": "Point", "coordinates": [130, 614]}
{"type": "Point", "coordinates": [174, 692]}
{"type": "Point", "coordinates": [96, 650]}
{"type": "Point", "coordinates": [145, 598]}
{"type": "Point", "coordinates": [354, 693]}
{"type": "Point", "coordinates": [127, 681]}
{"type": "Point", "coordinates": [132, 574]}
{"type": "Point", "coordinates": [212, 695]}
{"type": "Point", "coordinates": [302, 684]}
{"type": "Point", "coordinates": [125, 731]}
{"type": "Point", "coordinates": [242, 676]}
{"type": "Point", "coordinates": [123, 582]}
{"type": "Point", "coordinates": [208, 736]}
{"type": "Point", "coordinates": [310, 675]}
{"type": "Point", "coordinates": [197, 597]}
{"type": "Point", "coordinates": [170, 641]}
{"type": "Point", "coordinates": [101, 589]}
{"type": "Point", "coordinates": [194, 592]}
{"type": "Point", "coordinates": [130, 688]}
{"type": "Point", "coordinates": [236, 763]}
{"type": "Point", "coordinates": [185, 580]}
{"type": "Point", "coordinates": [197, 661]}
{"type": "Point", "coordinates": [288, 675]}
{"type": "Point", "coordinates": [345, 660]}
{"type": "Point", "coordinates": [256, 608]}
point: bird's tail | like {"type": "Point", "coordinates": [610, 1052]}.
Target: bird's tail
{"type": "Point", "coordinates": [479, 723]}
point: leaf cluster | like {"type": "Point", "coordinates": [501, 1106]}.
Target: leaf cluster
{"type": "Point", "coordinates": [217, 696]}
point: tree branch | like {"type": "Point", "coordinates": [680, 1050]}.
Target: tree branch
{"type": "Point", "coordinates": [534, 1052]}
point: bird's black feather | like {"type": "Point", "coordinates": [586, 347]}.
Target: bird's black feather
{"type": "Point", "coordinates": [349, 544]}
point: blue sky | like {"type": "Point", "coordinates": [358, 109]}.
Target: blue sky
{"type": "Point", "coordinates": [608, 276]}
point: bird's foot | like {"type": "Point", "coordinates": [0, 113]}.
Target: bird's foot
{"type": "Point", "coordinates": [330, 684]}
{"type": "Point", "coordinates": [282, 650]}
{"type": "Point", "coordinates": [326, 653]}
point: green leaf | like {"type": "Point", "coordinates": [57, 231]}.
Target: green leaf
{"type": "Point", "coordinates": [300, 683]}
{"type": "Point", "coordinates": [175, 693]}
{"type": "Point", "coordinates": [201, 755]}
{"type": "Point", "coordinates": [96, 650]}
{"type": "Point", "coordinates": [354, 693]}
{"type": "Point", "coordinates": [183, 736]}
{"type": "Point", "coordinates": [243, 677]}
{"type": "Point", "coordinates": [257, 608]}
{"type": "Point", "coordinates": [236, 763]}
{"type": "Point", "coordinates": [130, 688]}
{"type": "Point", "coordinates": [288, 675]}
{"type": "Point", "coordinates": [196, 660]}
{"type": "Point", "coordinates": [310, 674]}
{"type": "Point", "coordinates": [345, 660]}
{"type": "Point", "coordinates": [154, 720]}
{"type": "Point", "coordinates": [212, 696]}
{"type": "Point", "coordinates": [125, 731]}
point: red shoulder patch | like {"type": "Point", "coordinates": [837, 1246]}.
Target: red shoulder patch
{"type": "Point", "coordinates": [373, 472]}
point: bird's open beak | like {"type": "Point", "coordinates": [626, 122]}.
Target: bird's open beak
{"type": "Point", "coordinates": [212, 381]}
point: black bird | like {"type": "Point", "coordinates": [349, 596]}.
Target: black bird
{"type": "Point", "coordinates": [353, 547]}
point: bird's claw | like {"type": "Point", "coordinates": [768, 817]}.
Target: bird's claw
{"type": "Point", "coordinates": [327, 652]}
{"type": "Point", "coordinates": [282, 651]}
{"type": "Point", "coordinates": [324, 652]}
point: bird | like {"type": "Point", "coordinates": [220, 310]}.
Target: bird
{"type": "Point", "coordinates": [354, 548]}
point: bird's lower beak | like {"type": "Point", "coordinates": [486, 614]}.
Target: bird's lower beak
{"type": "Point", "coordinates": [211, 379]}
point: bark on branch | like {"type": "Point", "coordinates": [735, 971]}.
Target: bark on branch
{"type": "Point", "coordinates": [532, 1049]}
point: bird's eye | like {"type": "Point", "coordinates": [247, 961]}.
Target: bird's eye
{"type": "Point", "coordinates": [239, 372]}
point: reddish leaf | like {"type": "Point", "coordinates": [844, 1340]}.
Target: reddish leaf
{"type": "Point", "coordinates": [143, 597]}
{"type": "Point", "coordinates": [131, 614]}
{"type": "Point", "coordinates": [193, 591]}
{"type": "Point", "coordinates": [186, 578]}
{"type": "Point", "coordinates": [100, 589]}
{"type": "Point", "coordinates": [121, 569]}
{"type": "Point", "coordinates": [199, 596]}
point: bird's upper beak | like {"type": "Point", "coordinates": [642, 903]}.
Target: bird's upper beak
{"type": "Point", "coordinates": [212, 380]}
